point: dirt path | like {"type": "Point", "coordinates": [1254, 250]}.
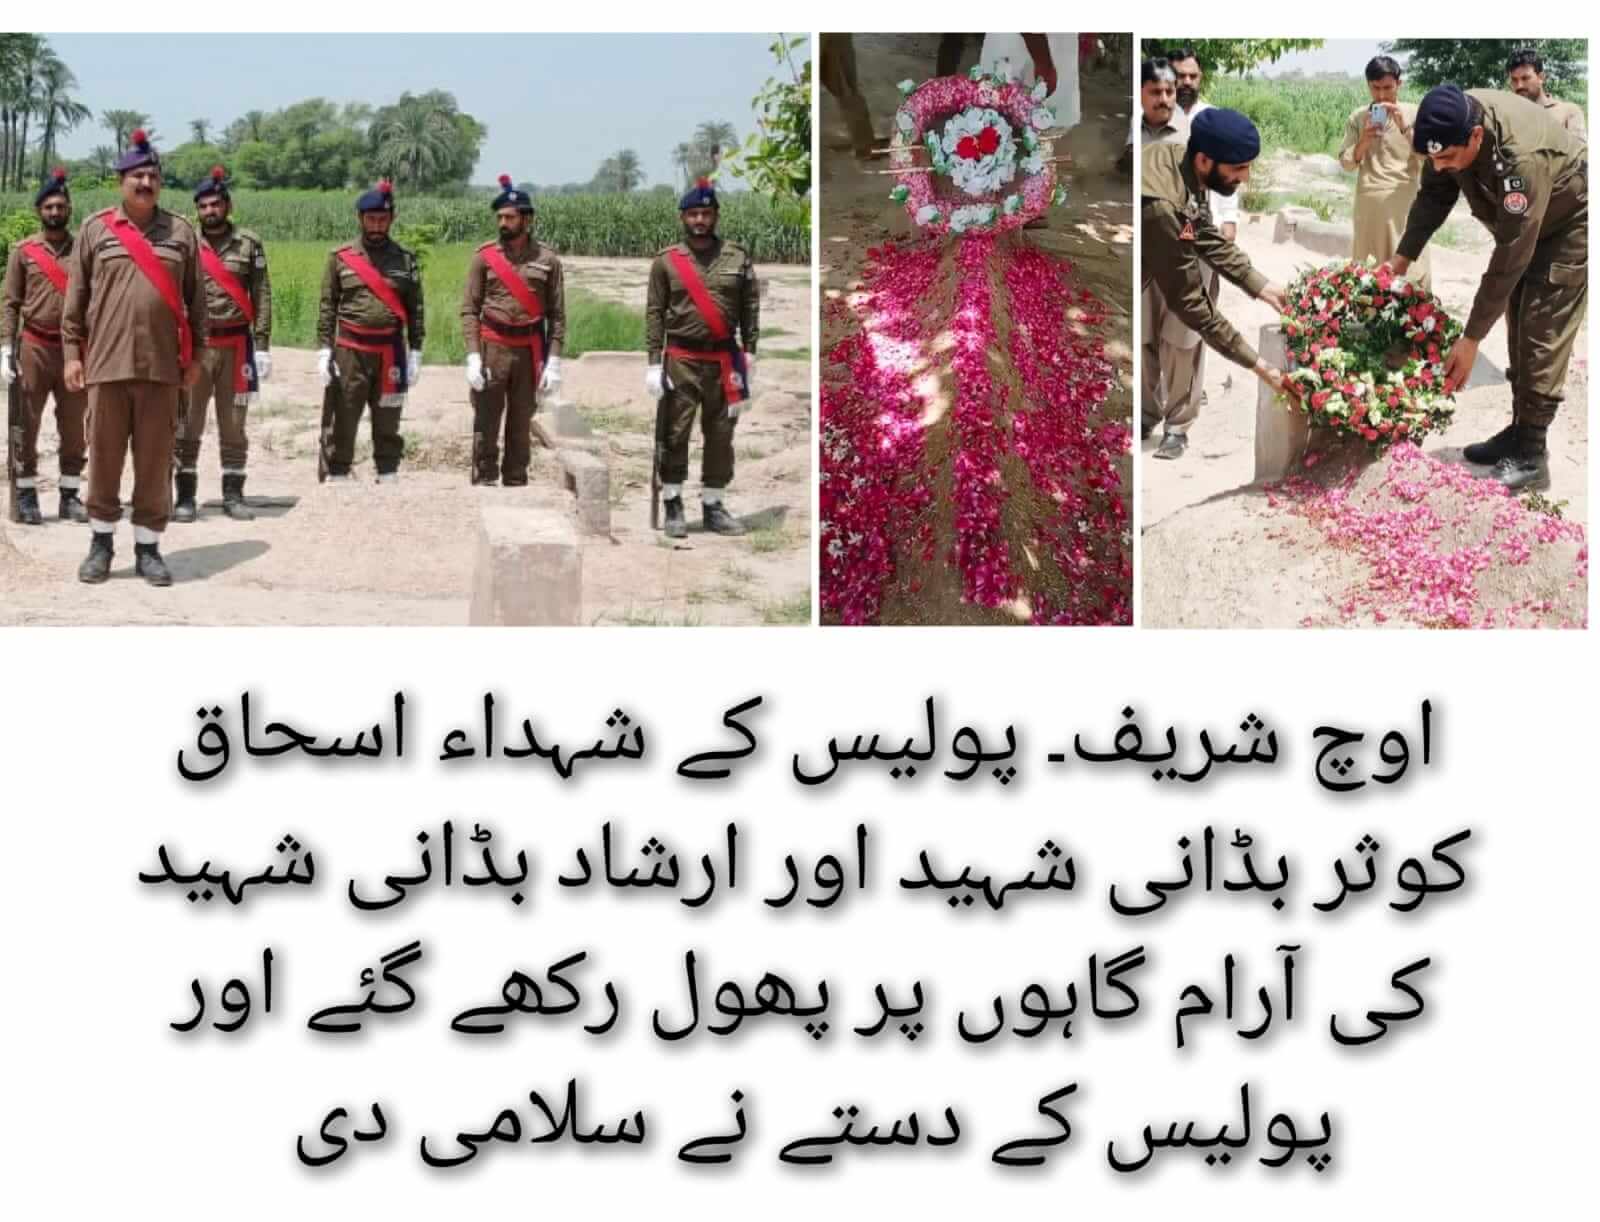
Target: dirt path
{"type": "Point", "coordinates": [403, 554]}
{"type": "Point", "coordinates": [1206, 557]}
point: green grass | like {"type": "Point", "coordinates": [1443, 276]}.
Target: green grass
{"type": "Point", "coordinates": [593, 323]}
{"type": "Point", "coordinates": [636, 225]}
{"type": "Point", "coordinates": [769, 539]}
{"type": "Point", "coordinates": [796, 609]}
{"type": "Point", "coordinates": [1303, 116]}
{"type": "Point", "coordinates": [786, 354]}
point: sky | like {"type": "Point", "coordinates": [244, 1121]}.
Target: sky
{"type": "Point", "coordinates": [556, 105]}
{"type": "Point", "coordinates": [1344, 55]}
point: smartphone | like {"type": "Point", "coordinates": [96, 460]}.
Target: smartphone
{"type": "Point", "coordinates": [1377, 116]}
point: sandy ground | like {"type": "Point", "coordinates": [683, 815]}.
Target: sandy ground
{"type": "Point", "coordinates": [404, 553]}
{"type": "Point", "coordinates": [1206, 558]}
{"type": "Point", "coordinates": [1094, 229]}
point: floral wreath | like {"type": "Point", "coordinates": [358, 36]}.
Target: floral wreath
{"type": "Point", "coordinates": [981, 132]}
{"type": "Point", "coordinates": [1367, 349]}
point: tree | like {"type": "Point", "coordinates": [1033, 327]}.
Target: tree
{"type": "Point", "coordinates": [1480, 63]}
{"type": "Point", "coordinates": [712, 139]}
{"type": "Point", "coordinates": [103, 158]}
{"type": "Point", "coordinates": [22, 58]}
{"type": "Point", "coordinates": [683, 158]}
{"type": "Point", "coordinates": [123, 123]}
{"type": "Point", "coordinates": [187, 164]}
{"type": "Point", "coordinates": [1237, 55]}
{"type": "Point", "coordinates": [618, 172]}
{"type": "Point", "coordinates": [777, 158]}
{"type": "Point", "coordinates": [59, 111]}
{"type": "Point", "coordinates": [425, 141]}
{"type": "Point", "coordinates": [200, 130]}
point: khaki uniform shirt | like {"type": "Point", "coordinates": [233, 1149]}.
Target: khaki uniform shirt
{"type": "Point", "coordinates": [1174, 131]}
{"type": "Point", "coordinates": [1528, 185]}
{"type": "Point", "coordinates": [28, 296]}
{"type": "Point", "coordinates": [242, 254]}
{"type": "Point", "coordinates": [486, 299]}
{"type": "Point", "coordinates": [1569, 115]}
{"type": "Point", "coordinates": [110, 299]}
{"type": "Point", "coordinates": [730, 279]}
{"type": "Point", "coordinates": [346, 298]}
{"type": "Point", "coordinates": [1177, 232]}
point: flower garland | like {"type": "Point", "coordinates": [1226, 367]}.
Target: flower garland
{"type": "Point", "coordinates": [981, 132]}
{"type": "Point", "coordinates": [1367, 349]}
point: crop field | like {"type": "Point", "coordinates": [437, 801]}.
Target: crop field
{"type": "Point", "coordinates": [1302, 116]}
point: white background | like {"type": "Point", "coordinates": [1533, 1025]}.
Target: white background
{"type": "Point", "coordinates": [1480, 1107]}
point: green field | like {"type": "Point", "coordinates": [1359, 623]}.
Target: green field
{"type": "Point", "coordinates": [593, 325]}
{"type": "Point", "coordinates": [616, 225]}
{"type": "Point", "coordinates": [1302, 116]}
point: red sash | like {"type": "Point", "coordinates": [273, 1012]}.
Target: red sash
{"type": "Point", "coordinates": [147, 261]}
{"type": "Point", "coordinates": [227, 281]}
{"type": "Point", "coordinates": [48, 264]}
{"type": "Point", "coordinates": [715, 323]}
{"type": "Point", "coordinates": [515, 284]}
{"type": "Point", "coordinates": [373, 279]}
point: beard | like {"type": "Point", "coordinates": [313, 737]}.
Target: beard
{"type": "Point", "coordinates": [699, 231]}
{"type": "Point", "coordinates": [1215, 182]}
{"type": "Point", "coordinates": [214, 224]}
{"type": "Point", "coordinates": [1188, 97]}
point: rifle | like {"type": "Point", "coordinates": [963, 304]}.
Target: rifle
{"type": "Point", "coordinates": [15, 431]}
{"type": "Point", "coordinates": [330, 402]}
{"type": "Point", "coordinates": [655, 462]}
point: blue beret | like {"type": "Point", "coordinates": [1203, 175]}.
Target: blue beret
{"type": "Point", "coordinates": [138, 153]}
{"type": "Point", "coordinates": [1444, 120]}
{"type": "Point", "coordinates": [379, 199]}
{"type": "Point", "coordinates": [510, 197]}
{"type": "Point", "coordinates": [1225, 136]}
{"type": "Point", "coordinates": [214, 183]}
{"type": "Point", "coordinates": [701, 195]}
{"type": "Point", "coordinates": [56, 184]}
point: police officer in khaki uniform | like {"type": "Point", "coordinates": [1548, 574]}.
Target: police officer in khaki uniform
{"type": "Point", "coordinates": [235, 360]}
{"type": "Point", "coordinates": [369, 338]}
{"type": "Point", "coordinates": [702, 319]}
{"type": "Point", "coordinates": [1181, 242]}
{"type": "Point", "coordinates": [1526, 178]}
{"type": "Point", "coordinates": [33, 295]}
{"type": "Point", "coordinates": [134, 320]}
{"type": "Point", "coordinates": [513, 319]}
{"type": "Point", "coordinates": [1525, 76]}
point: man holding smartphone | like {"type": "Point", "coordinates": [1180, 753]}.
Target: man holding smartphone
{"type": "Point", "coordinates": [1377, 147]}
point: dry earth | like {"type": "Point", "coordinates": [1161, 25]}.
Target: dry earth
{"type": "Point", "coordinates": [1206, 559]}
{"type": "Point", "coordinates": [403, 554]}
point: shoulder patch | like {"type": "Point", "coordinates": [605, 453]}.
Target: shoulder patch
{"type": "Point", "coordinates": [1515, 202]}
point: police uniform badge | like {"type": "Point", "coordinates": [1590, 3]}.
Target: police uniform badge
{"type": "Point", "coordinates": [1186, 234]}
{"type": "Point", "coordinates": [1434, 147]}
{"type": "Point", "coordinates": [1515, 202]}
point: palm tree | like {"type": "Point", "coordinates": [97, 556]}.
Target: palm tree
{"type": "Point", "coordinates": [21, 59]}
{"type": "Point", "coordinates": [628, 171]}
{"type": "Point", "coordinates": [683, 157]}
{"type": "Point", "coordinates": [59, 111]}
{"type": "Point", "coordinates": [712, 139]}
{"type": "Point", "coordinates": [123, 123]}
{"type": "Point", "coordinates": [414, 142]}
{"type": "Point", "coordinates": [200, 129]}
{"type": "Point", "coordinates": [103, 157]}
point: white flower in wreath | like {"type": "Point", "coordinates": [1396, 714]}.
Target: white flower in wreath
{"type": "Point", "coordinates": [1012, 205]}
{"type": "Point", "coordinates": [1033, 163]}
{"type": "Point", "coordinates": [1040, 91]}
{"type": "Point", "coordinates": [906, 87]}
{"type": "Point", "coordinates": [904, 121]}
{"type": "Point", "coordinates": [1004, 71]}
{"type": "Point", "coordinates": [927, 214]}
{"type": "Point", "coordinates": [1042, 118]}
{"type": "Point", "coordinates": [984, 174]}
{"type": "Point", "coordinates": [970, 216]}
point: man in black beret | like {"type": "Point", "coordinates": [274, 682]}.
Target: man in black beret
{"type": "Point", "coordinates": [1525, 177]}
{"type": "Point", "coordinates": [1180, 239]}
{"type": "Point", "coordinates": [30, 352]}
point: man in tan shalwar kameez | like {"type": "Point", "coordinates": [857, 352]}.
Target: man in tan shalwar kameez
{"type": "Point", "coordinates": [1388, 172]}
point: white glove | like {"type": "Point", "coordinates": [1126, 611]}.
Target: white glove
{"type": "Point", "coordinates": [5, 367]}
{"type": "Point", "coordinates": [325, 365]}
{"type": "Point", "coordinates": [263, 366]}
{"type": "Point", "coordinates": [653, 381]}
{"type": "Point", "coordinates": [475, 378]}
{"type": "Point", "coordinates": [735, 410]}
{"type": "Point", "coordinates": [413, 367]}
{"type": "Point", "coordinates": [550, 383]}
{"type": "Point", "coordinates": [749, 374]}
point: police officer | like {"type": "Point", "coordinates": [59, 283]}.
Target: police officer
{"type": "Point", "coordinates": [369, 338]}
{"type": "Point", "coordinates": [35, 290]}
{"type": "Point", "coordinates": [235, 360]}
{"type": "Point", "coordinates": [702, 319]}
{"type": "Point", "coordinates": [1526, 178]}
{"type": "Point", "coordinates": [513, 319]}
{"type": "Point", "coordinates": [1181, 241]}
{"type": "Point", "coordinates": [135, 317]}
{"type": "Point", "coordinates": [1525, 75]}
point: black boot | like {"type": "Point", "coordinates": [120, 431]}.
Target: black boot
{"type": "Point", "coordinates": [233, 503]}
{"type": "Point", "coordinates": [147, 562]}
{"type": "Point", "coordinates": [1486, 453]}
{"type": "Point", "coordinates": [96, 566]}
{"type": "Point", "coordinates": [1172, 445]}
{"type": "Point", "coordinates": [1527, 467]}
{"type": "Point", "coordinates": [183, 508]}
{"type": "Point", "coordinates": [677, 527]}
{"type": "Point", "coordinates": [720, 522]}
{"type": "Point", "coordinates": [28, 507]}
{"type": "Point", "coordinates": [72, 509]}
